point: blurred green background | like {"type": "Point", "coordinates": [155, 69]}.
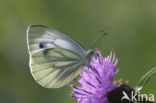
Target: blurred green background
{"type": "Point", "coordinates": [132, 33]}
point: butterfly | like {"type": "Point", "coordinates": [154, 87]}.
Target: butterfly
{"type": "Point", "coordinates": [55, 59]}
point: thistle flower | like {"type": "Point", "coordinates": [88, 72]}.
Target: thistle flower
{"type": "Point", "coordinates": [96, 80]}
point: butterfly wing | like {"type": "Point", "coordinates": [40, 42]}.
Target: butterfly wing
{"type": "Point", "coordinates": [41, 37]}
{"type": "Point", "coordinates": [55, 59]}
{"type": "Point", "coordinates": [53, 68]}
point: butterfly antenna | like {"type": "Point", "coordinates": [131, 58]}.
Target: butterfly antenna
{"type": "Point", "coordinates": [99, 37]}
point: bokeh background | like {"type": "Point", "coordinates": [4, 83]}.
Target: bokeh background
{"type": "Point", "coordinates": [132, 33]}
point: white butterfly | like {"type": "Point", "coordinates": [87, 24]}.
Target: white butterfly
{"type": "Point", "coordinates": [55, 59]}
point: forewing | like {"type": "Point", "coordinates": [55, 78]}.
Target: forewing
{"type": "Point", "coordinates": [55, 67]}
{"type": "Point", "coordinates": [41, 37]}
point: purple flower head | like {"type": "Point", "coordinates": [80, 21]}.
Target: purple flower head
{"type": "Point", "coordinates": [96, 80]}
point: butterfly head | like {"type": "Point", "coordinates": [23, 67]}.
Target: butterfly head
{"type": "Point", "coordinates": [90, 54]}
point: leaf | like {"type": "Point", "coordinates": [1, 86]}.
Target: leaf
{"type": "Point", "coordinates": [144, 79]}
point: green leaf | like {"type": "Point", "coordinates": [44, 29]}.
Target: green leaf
{"type": "Point", "coordinates": [144, 79]}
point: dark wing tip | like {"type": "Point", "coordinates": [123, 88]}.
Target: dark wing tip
{"type": "Point", "coordinates": [35, 26]}
{"type": "Point", "coordinates": [31, 26]}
